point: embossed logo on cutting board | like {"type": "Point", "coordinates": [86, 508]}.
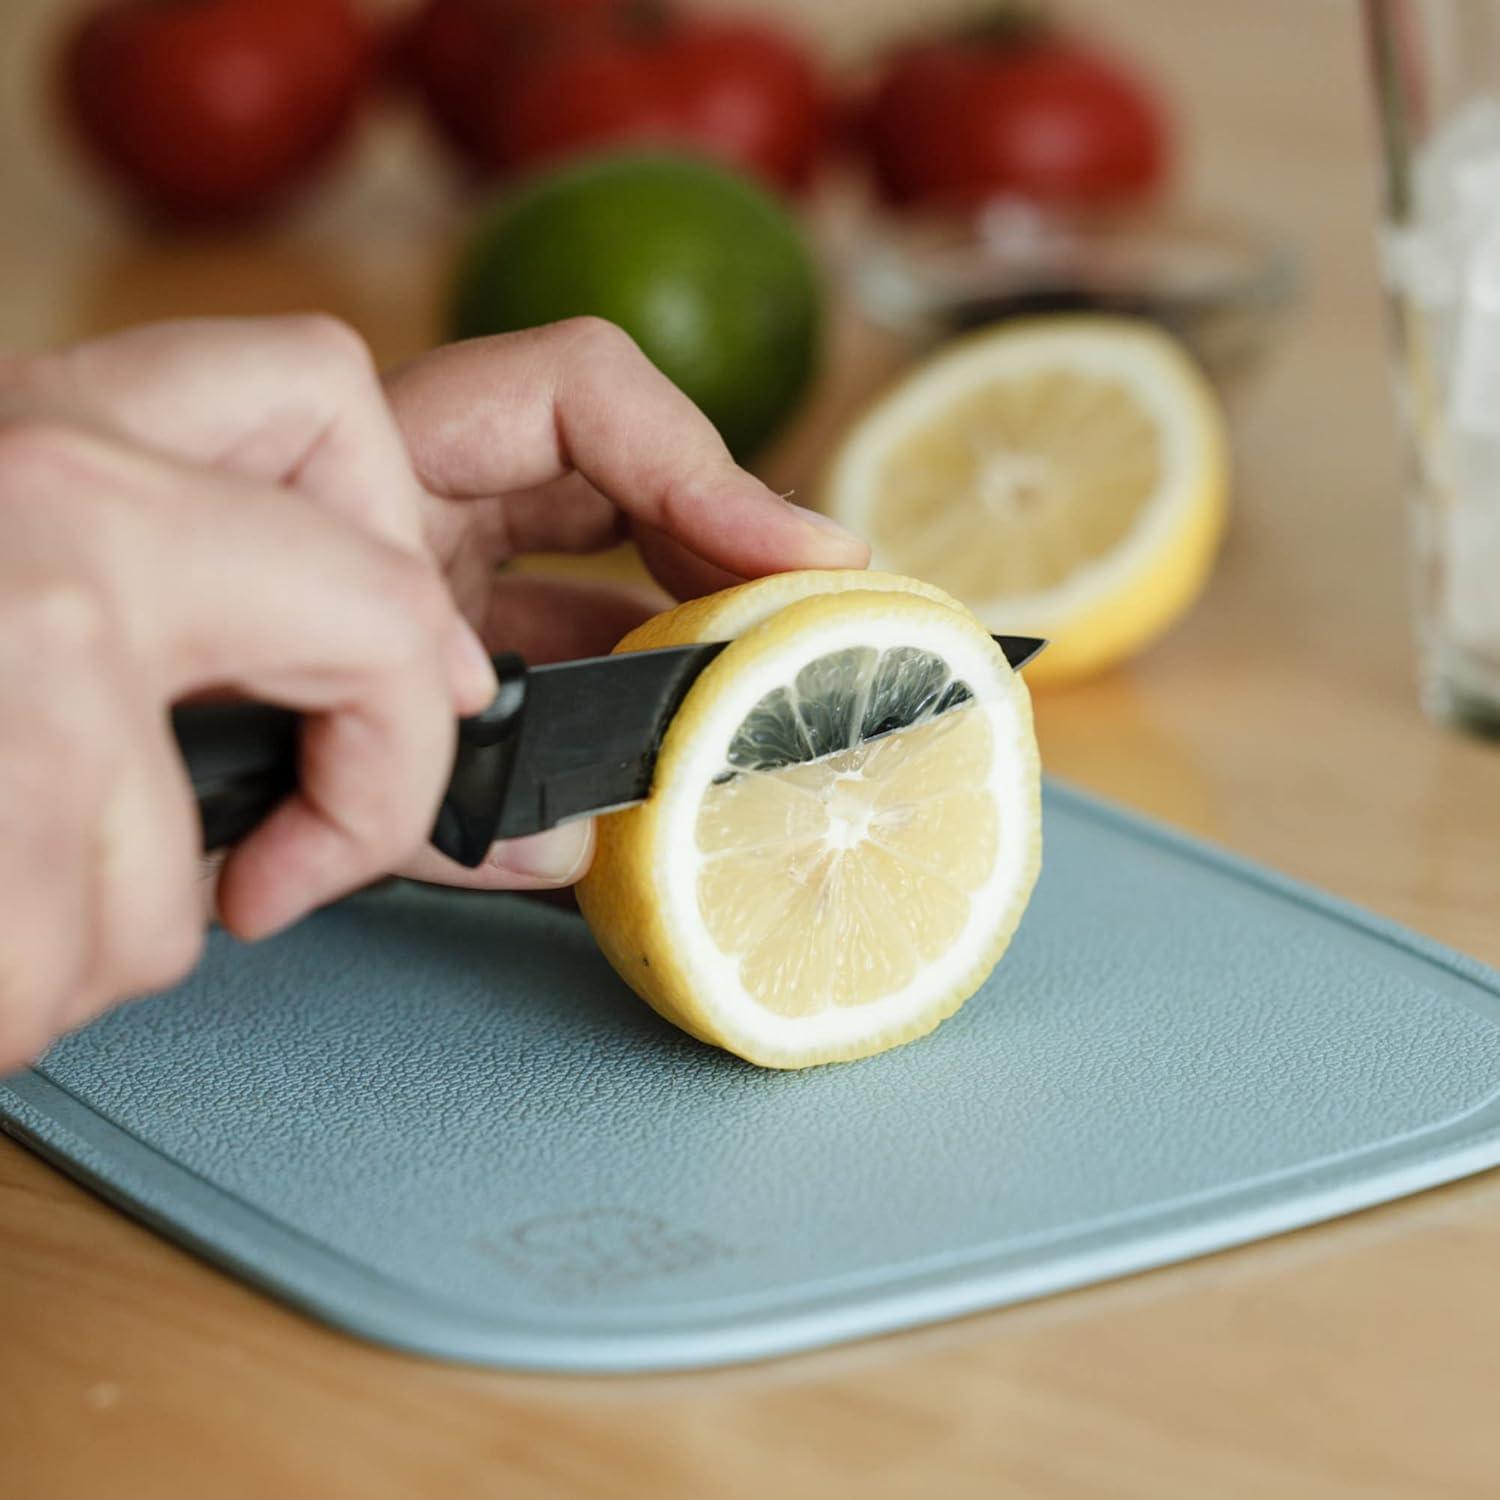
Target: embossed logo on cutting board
{"type": "Point", "coordinates": [599, 1248]}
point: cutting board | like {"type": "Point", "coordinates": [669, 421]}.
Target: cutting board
{"type": "Point", "coordinates": [438, 1121]}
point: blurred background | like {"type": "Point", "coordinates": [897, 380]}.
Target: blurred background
{"type": "Point", "coordinates": [1263, 202]}
{"type": "Point", "coordinates": [1266, 116]}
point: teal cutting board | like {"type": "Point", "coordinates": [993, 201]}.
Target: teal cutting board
{"type": "Point", "coordinates": [440, 1122]}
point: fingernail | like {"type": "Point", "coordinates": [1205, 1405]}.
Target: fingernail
{"type": "Point", "coordinates": [473, 674]}
{"type": "Point", "coordinates": [557, 857]}
{"type": "Point", "coordinates": [819, 522]}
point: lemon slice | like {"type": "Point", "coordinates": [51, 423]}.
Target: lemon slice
{"type": "Point", "coordinates": [1065, 477]}
{"type": "Point", "coordinates": [844, 825]}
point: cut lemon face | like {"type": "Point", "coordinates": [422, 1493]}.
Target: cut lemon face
{"type": "Point", "coordinates": [844, 826]}
{"type": "Point", "coordinates": [1065, 477]}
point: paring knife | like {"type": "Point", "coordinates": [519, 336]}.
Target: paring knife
{"type": "Point", "coordinates": [558, 742]}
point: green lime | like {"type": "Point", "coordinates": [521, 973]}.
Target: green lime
{"type": "Point", "coordinates": [706, 272]}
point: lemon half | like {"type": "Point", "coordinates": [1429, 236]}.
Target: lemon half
{"type": "Point", "coordinates": [1066, 477]}
{"type": "Point", "coordinates": [844, 826]}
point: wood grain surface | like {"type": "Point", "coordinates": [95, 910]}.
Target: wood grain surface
{"type": "Point", "coordinates": [1358, 1359]}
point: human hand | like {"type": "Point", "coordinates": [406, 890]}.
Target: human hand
{"type": "Point", "coordinates": [214, 506]}
{"type": "Point", "coordinates": [566, 439]}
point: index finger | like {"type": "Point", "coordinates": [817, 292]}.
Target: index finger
{"type": "Point", "coordinates": [519, 410]}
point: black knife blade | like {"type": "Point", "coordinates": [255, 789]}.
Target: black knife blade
{"type": "Point", "coordinates": [559, 742]}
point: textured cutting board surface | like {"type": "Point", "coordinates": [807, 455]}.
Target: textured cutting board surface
{"type": "Point", "coordinates": [439, 1121]}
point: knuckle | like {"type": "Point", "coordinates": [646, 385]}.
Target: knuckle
{"type": "Point", "coordinates": [381, 836]}
{"type": "Point", "coordinates": [370, 829]}
{"type": "Point", "coordinates": [404, 831]}
{"type": "Point", "coordinates": [598, 339]}
{"type": "Point", "coordinates": [58, 618]}
{"type": "Point", "coordinates": [330, 341]}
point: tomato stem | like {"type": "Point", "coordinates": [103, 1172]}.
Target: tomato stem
{"type": "Point", "coordinates": [647, 18]}
{"type": "Point", "coordinates": [1008, 23]}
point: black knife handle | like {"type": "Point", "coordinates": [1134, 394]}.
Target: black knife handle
{"type": "Point", "coordinates": [482, 767]}
{"type": "Point", "coordinates": [242, 761]}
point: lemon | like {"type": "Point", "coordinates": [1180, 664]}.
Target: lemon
{"type": "Point", "coordinates": [1066, 477]}
{"type": "Point", "coordinates": [844, 824]}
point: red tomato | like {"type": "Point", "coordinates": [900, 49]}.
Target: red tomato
{"type": "Point", "coordinates": [459, 53]}
{"type": "Point", "coordinates": [1038, 116]}
{"type": "Point", "coordinates": [516, 82]}
{"type": "Point", "coordinates": [215, 109]}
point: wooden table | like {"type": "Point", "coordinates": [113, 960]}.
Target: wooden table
{"type": "Point", "coordinates": [1361, 1358]}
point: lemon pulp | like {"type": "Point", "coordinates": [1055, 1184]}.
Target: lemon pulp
{"type": "Point", "coordinates": [1019, 484]}
{"type": "Point", "coordinates": [843, 839]}
{"type": "Point", "coordinates": [1065, 477]}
